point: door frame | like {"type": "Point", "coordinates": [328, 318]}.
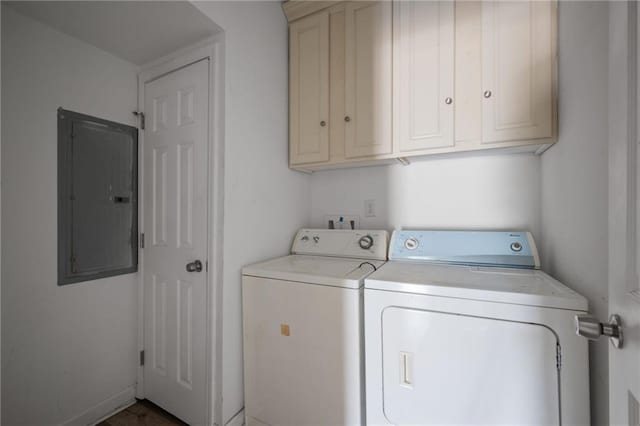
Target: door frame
{"type": "Point", "coordinates": [211, 49]}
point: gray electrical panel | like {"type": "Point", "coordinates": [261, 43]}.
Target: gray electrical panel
{"type": "Point", "coordinates": [97, 198]}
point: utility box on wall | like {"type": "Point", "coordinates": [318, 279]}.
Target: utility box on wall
{"type": "Point", "coordinates": [97, 198]}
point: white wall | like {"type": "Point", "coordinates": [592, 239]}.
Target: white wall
{"type": "Point", "coordinates": [64, 349]}
{"type": "Point", "coordinates": [265, 202]}
{"type": "Point", "coordinates": [473, 192]}
{"type": "Point", "coordinates": [574, 211]}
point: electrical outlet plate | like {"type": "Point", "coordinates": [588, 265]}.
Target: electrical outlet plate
{"type": "Point", "coordinates": [369, 208]}
{"type": "Point", "coordinates": [345, 223]}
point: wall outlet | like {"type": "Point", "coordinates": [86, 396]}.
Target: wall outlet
{"type": "Point", "coordinates": [342, 221]}
{"type": "Point", "coordinates": [369, 208]}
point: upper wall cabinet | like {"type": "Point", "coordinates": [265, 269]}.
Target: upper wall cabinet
{"type": "Point", "coordinates": [423, 69]}
{"type": "Point", "coordinates": [309, 89]}
{"type": "Point", "coordinates": [340, 85]}
{"type": "Point", "coordinates": [378, 81]}
{"type": "Point", "coordinates": [518, 67]}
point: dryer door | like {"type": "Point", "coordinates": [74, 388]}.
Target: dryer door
{"type": "Point", "coordinates": [442, 368]}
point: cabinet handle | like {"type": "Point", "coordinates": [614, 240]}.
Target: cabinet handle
{"type": "Point", "coordinates": [323, 123]}
{"type": "Point", "coordinates": [448, 101]}
{"type": "Point", "coordinates": [487, 94]}
{"type": "Point", "coordinates": [347, 119]}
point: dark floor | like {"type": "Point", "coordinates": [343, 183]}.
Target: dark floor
{"type": "Point", "coordinates": [142, 413]}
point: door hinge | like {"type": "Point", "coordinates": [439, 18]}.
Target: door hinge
{"type": "Point", "coordinates": [140, 115]}
{"type": "Point", "coordinates": [142, 240]}
{"type": "Point", "coordinates": [558, 357]}
{"type": "Point", "coordinates": [142, 358]}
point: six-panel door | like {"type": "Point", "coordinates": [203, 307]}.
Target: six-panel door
{"type": "Point", "coordinates": [175, 224]}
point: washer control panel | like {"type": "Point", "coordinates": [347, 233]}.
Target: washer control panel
{"type": "Point", "coordinates": [480, 248]}
{"type": "Point", "coordinates": [362, 244]}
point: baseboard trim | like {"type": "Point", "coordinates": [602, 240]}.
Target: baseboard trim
{"type": "Point", "coordinates": [237, 420]}
{"type": "Point", "coordinates": [104, 409]}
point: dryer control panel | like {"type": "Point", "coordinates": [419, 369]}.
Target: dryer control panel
{"type": "Point", "coordinates": [359, 243]}
{"type": "Point", "coordinates": [480, 248]}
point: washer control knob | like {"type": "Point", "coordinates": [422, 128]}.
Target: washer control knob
{"type": "Point", "coordinates": [516, 246]}
{"type": "Point", "coordinates": [411, 243]}
{"type": "Point", "coordinates": [366, 242]}
{"type": "Point", "coordinates": [316, 239]}
{"type": "Point", "coordinates": [305, 238]}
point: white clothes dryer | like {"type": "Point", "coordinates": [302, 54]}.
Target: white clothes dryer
{"type": "Point", "coordinates": [303, 330]}
{"type": "Point", "coordinates": [463, 329]}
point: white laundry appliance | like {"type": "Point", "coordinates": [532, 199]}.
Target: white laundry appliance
{"type": "Point", "coordinates": [303, 329]}
{"type": "Point", "coordinates": [461, 328]}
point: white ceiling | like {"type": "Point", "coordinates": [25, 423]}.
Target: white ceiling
{"type": "Point", "coordinates": [137, 31]}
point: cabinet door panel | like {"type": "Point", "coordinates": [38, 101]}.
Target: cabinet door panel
{"type": "Point", "coordinates": [423, 74]}
{"type": "Point", "coordinates": [518, 97]}
{"type": "Point", "coordinates": [309, 89]}
{"type": "Point", "coordinates": [368, 84]}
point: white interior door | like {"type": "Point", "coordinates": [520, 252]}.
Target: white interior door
{"type": "Point", "coordinates": [624, 213]}
{"type": "Point", "coordinates": [175, 223]}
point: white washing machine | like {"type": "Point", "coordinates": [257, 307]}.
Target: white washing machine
{"type": "Point", "coordinates": [463, 329]}
{"type": "Point", "coordinates": [303, 330]}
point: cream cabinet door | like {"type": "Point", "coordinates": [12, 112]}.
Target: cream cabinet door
{"type": "Point", "coordinates": [518, 67]}
{"type": "Point", "coordinates": [368, 79]}
{"type": "Point", "coordinates": [309, 90]}
{"type": "Point", "coordinates": [423, 74]}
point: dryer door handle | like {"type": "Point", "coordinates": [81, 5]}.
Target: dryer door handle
{"type": "Point", "coordinates": [406, 369]}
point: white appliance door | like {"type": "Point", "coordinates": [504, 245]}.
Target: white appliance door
{"type": "Point", "coordinates": [302, 353]}
{"type": "Point", "coordinates": [442, 368]}
{"type": "Point", "coordinates": [175, 222]}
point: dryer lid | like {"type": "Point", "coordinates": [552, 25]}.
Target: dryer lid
{"type": "Point", "coordinates": [322, 270]}
{"type": "Point", "coordinates": [517, 286]}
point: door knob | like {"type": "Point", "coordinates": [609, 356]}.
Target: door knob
{"type": "Point", "coordinates": [589, 327]}
{"type": "Point", "coordinates": [487, 94]}
{"type": "Point", "coordinates": [195, 266]}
